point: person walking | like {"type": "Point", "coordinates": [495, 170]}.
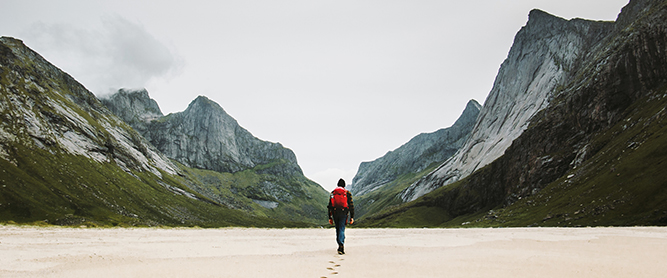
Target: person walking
{"type": "Point", "coordinates": [340, 205]}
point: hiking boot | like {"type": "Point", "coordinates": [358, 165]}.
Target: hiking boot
{"type": "Point", "coordinates": [341, 250]}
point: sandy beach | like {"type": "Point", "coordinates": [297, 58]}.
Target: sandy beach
{"type": "Point", "coordinates": [240, 252]}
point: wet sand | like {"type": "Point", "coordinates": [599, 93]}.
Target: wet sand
{"type": "Point", "coordinates": [239, 252]}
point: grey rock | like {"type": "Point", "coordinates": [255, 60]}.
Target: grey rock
{"type": "Point", "coordinates": [544, 54]}
{"type": "Point", "coordinates": [135, 107]}
{"type": "Point", "coordinates": [203, 136]}
{"type": "Point", "coordinates": [58, 114]}
{"type": "Point", "coordinates": [417, 154]}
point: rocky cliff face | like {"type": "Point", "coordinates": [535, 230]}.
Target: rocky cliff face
{"type": "Point", "coordinates": [46, 108]}
{"type": "Point", "coordinates": [622, 68]}
{"type": "Point", "coordinates": [594, 156]}
{"type": "Point", "coordinates": [135, 107]}
{"type": "Point", "coordinates": [546, 53]}
{"type": "Point", "coordinates": [417, 154]}
{"type": "Point", "coordinates": [203, 136]}
{"type": "Point", "coordinates": [66, 159]}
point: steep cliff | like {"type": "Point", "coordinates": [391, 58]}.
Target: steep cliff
{"type": "Point", "coordinates": [593, 156]}
{"type": "Point", "coordinates": [68, 160]}
{"type": "Point", "coordinates": [45, 107]}
{"type": "Point", "coordinates": [203, 136]}
{"type": "Point", "coordinates": [247, 173]}
{"type": "Point", "coordinates": [546, 53]}
{"type": "Point", "coordinates": [417, 154]}
{"type": "Point", "coordinates": [135, 107]}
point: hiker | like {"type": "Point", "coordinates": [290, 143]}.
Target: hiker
{"type": "Point", "coordinates": [340, 204]}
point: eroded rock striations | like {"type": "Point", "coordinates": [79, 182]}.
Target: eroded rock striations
{"type": "Point", "coordinates": [59, 112]}
{"type": "Point", "coordinates": [417, 154]}
{"type": "Point", "coordinates": [135, 107]}
{"type": "Point", "coordinates": [593, 156]}
{"type": "Point", "coordinates": [545, 55]}
{"type": "Point", "coordinates": [66, 159]}
{"type": "Point", "coordinates": [203, 136]}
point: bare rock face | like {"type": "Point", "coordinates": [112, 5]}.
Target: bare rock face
{"type": "Point", "coordinates": [45, 108]}
{"type": "Point", "coordinates": [203, 136]}
{"type": "Point", "coordinates": [543, 57]}
{"type": "Point", "coordinates": [135, 107]}
{"type": "Point", "coordinates": [606, 114]}
{"type": "Point", "coordinates": [417, 154]}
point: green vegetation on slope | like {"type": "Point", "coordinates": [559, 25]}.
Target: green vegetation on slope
{"type": "Point", "coordinates": [42, 182]}
{"type": "Point", "coordinates": [388, 195]}
{"type": "Point", "coordinates": [287, 197]}
{"type": "Point", "coordinates": [623, 184]}
{"type": "Point", "coordinates": [65, 189]}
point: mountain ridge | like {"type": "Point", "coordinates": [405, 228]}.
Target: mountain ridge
{"type": "Point", "coordinates": [202, 136]}
{"type": "Point", "coordinates": [593, 156]}
{"type": "Point", "coordinates": [544, 53]}
{"type": "Point", "coordinates": [66, 159]}
{"type": "Point", "coordinates": [377, 183]}
{"type": "Point", "coordinates": [249, 174]}
{"type": "Point", "coordinates": [417, 154]}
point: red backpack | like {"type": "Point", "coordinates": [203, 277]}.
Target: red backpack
{"type": "Point", "coordinates": [339, 198]}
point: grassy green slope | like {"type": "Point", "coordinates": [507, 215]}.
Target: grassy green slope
{"type": "Point", "coordinates": [387, 195]}
{"type": "Point", "coordinates": [296, 197]}
{"type": "Point", "coordinates": [625, 183]}
{"type": "Point", "coordinates": [42, 182]}
{"type": "Point", "coordinates": [73, 190]}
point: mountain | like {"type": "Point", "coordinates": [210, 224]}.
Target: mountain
{"type": "Point", "coordinates": [244, 172]}
{"type": "Point", "coordinates": [545, 55]}
{"type": "Point", "coordinates": [67, 160]}
{"type": "Point", "coordinates": [203, 136]}
{"type": "Point", "coordinates": [417, 154]}
{"type": "Point", "coordinates": [135, 107]}
{"type": "Point", "coordinates": [592, 155]}
{"type": "Point", "coordinates": [377, 183]}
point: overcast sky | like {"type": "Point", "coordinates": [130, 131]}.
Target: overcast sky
{"type": "Point", "coordinates": [338, 82]}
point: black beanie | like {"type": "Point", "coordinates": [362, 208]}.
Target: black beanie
{"type": "Point", "coordinates": [341, 183]}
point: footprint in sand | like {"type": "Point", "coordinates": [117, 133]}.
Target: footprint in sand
{"type": "Point", "coordinates": [333, 268]}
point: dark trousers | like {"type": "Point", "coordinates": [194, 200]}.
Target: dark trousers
{"type": "Point", "coordinates": [340, 219]}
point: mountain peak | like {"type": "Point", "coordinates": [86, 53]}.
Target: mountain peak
{"type": "Point", "coordinates": [472, 104]}
{"type": "Point", "coordinates": [142, 93]}
{"type": "Point", "coordinates": [203, 136]}
{"type": "Point", "coordinates": [470, 113]}
{"type": "Point", "coordinates": [134, 106]}
{"type": "Point", "coordinates": [416, 155]}
{"type": "Point", "coordinates": [203, 103]}
{"type": "Point", "coordinates": [202, 98]}
{"type": "Point", "coordinates": [537, 14]}
{"type": "Point", "coordinates": [539, 19]}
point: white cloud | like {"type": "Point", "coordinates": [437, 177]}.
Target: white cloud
{"type": "Point", "coordinates": [119, 54]}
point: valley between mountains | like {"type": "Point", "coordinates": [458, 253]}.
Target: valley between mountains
{"type": "Point", "coordinates": [571, 134]}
